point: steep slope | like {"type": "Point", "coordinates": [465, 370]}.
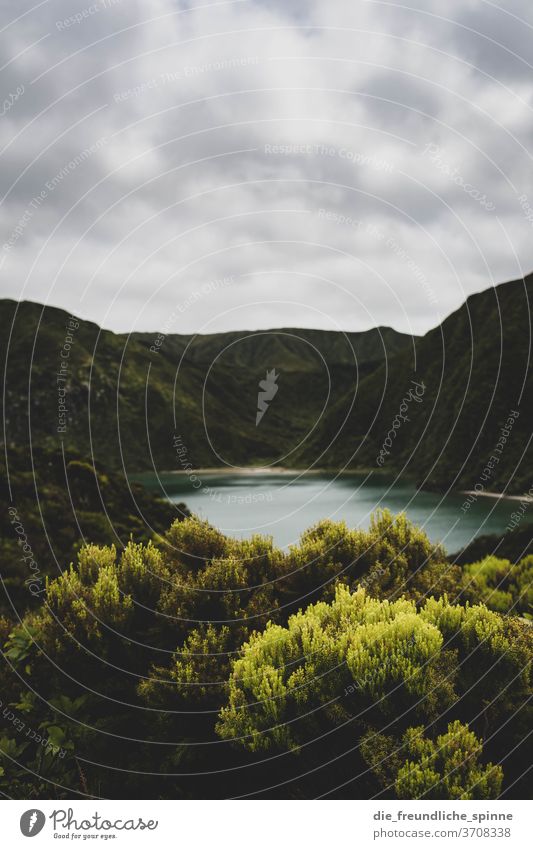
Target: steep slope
{"type": "Point", "coordinates": [476, 372]}
{"type": "Point", "coordinates": [123, 399]}
{"type": "Point", "coordinates": [337, 402]}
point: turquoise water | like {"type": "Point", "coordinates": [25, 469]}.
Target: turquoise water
{"type": "Point", "coordinates": [283, 505]}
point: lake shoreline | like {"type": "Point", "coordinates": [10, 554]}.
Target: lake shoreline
{"type": "Point", "coordinates": [259, 470]}
{"type": "Point", "coordinates": [285, 471]}
{"type": "Point", "coordinates": [497, 495]}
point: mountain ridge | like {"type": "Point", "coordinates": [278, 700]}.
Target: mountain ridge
{"type": "Point", "coordinates": [127, 398]}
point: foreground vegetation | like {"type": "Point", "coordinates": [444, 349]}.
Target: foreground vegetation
{"type": "Point", "coordinates": [51, 503]}
{"type": "Point", "coordinates": [198, 666]}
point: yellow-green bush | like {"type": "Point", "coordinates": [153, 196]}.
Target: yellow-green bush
{"type": "Point", "coordinates": [329, 664]}
{"type": "Point", "coordinates": [502, 585]}
{"type": "Point", "coordinates": [176, 633]}
{"type": "Point", "coordinates": [420, 767]}
{"type": "Point", "coordinates": [392, 558]}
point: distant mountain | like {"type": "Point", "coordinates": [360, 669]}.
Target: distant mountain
{"type": "Point", "coordinates": [128, 397]}
{"type": "Point", "coordinates": [292, 349]}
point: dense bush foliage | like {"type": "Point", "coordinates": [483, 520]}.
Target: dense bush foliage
{"type": "Point", "coordinates": [50, 505]}
{"type": "Point", "coordinates": [362, 663]}
{"type": "Point", "coordinates": [502, 585]}
{"type": "Point", "coordinates": [421, 768]}
{"type": "Point", "coordinates": [332, 664]}
{"type": "Point", "coordinates": [195, 665]}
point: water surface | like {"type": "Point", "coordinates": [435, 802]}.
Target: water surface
{"type": "Point", "coordinates": [283, 505]}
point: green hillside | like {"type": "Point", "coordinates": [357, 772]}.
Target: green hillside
{"type": "Point", "coordinates": [128, 396]}
{"type": "Point", "coordinates": [476, 370]}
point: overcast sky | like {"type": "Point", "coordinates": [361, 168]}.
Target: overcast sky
{"type": "Point", "coordinates": [210, 166]}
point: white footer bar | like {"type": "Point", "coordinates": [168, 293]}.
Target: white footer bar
{"type": "Point", "coordinates": [266, 824]}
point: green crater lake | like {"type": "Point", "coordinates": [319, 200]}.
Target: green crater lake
{"type": "Point", "coordinates": [284, 504]}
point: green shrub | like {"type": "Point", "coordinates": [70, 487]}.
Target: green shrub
{"type": "Point", "coordinates": [392, 558]}
{"type": "Point", "coordinates": [422, 768]}
{"type": "Point", "coordinates": [501, 585]}
{"type": "Point", "coordinates": [332, 663]}
{"type": "Point", "coordinates": [174, 634]}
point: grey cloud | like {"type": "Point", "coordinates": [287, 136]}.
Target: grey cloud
{"type": "Point", "coordinates": [145, 223]}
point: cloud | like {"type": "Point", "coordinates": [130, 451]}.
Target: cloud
{"type": "Point", "coordinates": [153, 149]}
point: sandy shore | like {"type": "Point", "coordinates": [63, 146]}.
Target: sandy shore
{"type": "Point", "coordinates": [497, 495]}
{"type": "Point", "coordinates": [283, 470]}
{"type": "Point", "coordinates": [272, 470]}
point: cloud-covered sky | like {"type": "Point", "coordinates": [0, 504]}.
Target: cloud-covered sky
{"type": "Point", "coordinates": [241, 164]}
